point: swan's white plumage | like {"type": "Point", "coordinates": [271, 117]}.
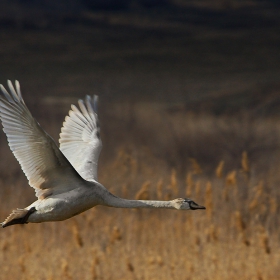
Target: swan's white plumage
{"type": "Point", "coordinates": [65, 183]}
{"type": "Point", "coordinates": [35, 150]}
{"type": "Point", "coordinates": [80, 138]}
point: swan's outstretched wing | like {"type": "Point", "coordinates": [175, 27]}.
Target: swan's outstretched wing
{"type": "Point", "coordinates": [41, 160]}
{"type": "Point", "coordinates": [80, 138]}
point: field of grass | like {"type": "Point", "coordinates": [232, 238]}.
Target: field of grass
{"type": "Point", "coordinates": [189, 107]}
{"type": "Point", "coordinates": [155, 154]}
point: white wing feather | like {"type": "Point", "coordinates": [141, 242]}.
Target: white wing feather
{"type": "Point", "coordinates": [41, 160]}
{"type": "Point", "coordinates": [80, 138]}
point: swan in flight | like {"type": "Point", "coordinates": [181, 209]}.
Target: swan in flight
{"type": "Point", "coordinates": [64, 178]}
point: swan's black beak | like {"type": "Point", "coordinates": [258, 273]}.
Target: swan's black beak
{"type": "Point", "coordinates": [195, 206]}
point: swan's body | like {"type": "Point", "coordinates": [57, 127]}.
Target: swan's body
{"type": "Point", "coordinates": [65, 179]}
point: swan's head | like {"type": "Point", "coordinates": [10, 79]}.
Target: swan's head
{"type": "Point", "coordinates": [186, 204]}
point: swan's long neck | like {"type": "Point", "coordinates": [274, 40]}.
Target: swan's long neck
{"type": "Point", "coordinates": [114, 201]}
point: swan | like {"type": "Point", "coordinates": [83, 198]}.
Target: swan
{"type": "Point", "coordinates": [65, 178]}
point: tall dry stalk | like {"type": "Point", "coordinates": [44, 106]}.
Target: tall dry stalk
{"type": "Point", "coordinates": [94, 275]}
{"type": "Point", "coordinates": [241, 228]}
{"type": "Point", "coordinates": [196, 169]}
{"type": "Point", "coordinates": [258, 194]}
{"type": "Point", "coordinates": [209, 200]}
{"type": "Point", "coordinates": [129, 266]}
{"type": "Point", "coordinates": [115, 235]}
{"type": "Point", "coordinates": [65, 269]}
{"type": "Point", "coordinates": [21, 263]}
{"type": "Point", "coordinates": [240, 224]}
{"type": "Point", "coordinates": [94, 268]}
{"type": "Point", "coordinates": [231, 181]}
{"type": "Point", "coordinates": [219, 169]}
{"type": "Point", "coordinates": [143, 193]}
{"type": "Point", "coordinates": [77, 236]}
{"type": "Point", "coordinates": [264, 241]}
{"type": "Point", "coordinates": [231, 178]}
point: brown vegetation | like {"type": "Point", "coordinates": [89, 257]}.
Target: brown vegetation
{"type": "Point", "coordinates": [230, 166]}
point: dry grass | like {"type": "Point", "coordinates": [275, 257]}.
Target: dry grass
{"type": "Point", "coordinates": [236, 238]}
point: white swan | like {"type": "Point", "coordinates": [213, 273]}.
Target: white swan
{"type": "Point", "coordinates": [65, 179]}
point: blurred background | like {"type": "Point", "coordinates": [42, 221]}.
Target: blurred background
{"type": "Point", "coordinates": [189, 106]}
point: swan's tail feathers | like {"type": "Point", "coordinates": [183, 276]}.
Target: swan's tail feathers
{"type": "Point", "coordinates": [18, 216]}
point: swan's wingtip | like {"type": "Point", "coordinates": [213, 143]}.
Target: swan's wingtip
{"type": "Point", "coordinates": [95, 103]}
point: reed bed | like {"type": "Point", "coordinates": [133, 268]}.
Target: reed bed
{"type": "Point", "coordinates": [237, 237]}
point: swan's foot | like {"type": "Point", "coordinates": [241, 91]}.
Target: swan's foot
{"type": "Point", "coordinates": [18, 216]}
